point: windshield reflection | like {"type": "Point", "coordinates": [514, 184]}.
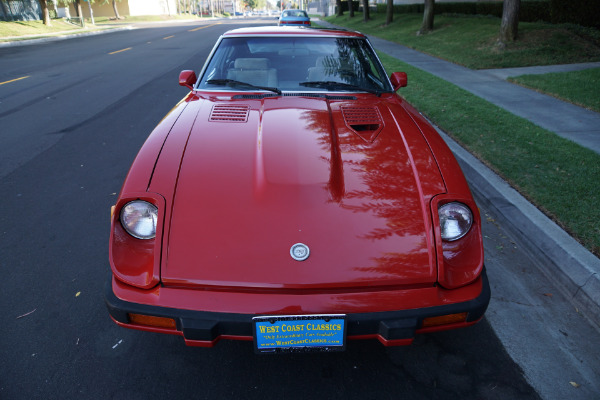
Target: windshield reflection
{"type": "Point", "coordinates": [286, 62]}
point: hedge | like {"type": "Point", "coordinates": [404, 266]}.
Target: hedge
{"type": "Point", "coordinates": [346, 8]}
{"type": "Point", "coordinates": [581, 12]}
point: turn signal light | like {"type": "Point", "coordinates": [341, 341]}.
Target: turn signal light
{"type": "Point", "coordinates": [444, 320]}
{"type": "Point", "coordinates": [148, 320]}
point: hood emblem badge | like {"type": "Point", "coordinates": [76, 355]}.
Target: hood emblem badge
{"type": "Point", "coordinates": [299, 252]}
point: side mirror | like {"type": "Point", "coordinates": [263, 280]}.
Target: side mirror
{"type": "Point", "coordinates": [399, 79]}
{"type": "Point", "coordinates": [187, 78]}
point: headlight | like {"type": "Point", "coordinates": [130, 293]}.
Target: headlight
{"type": "Point", "coordinates": [455, 220]}
{"type": "Point", "coordinates": [139, 219]}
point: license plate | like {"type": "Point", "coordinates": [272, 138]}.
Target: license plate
{"type": "Point", "coordinates": [299, 333]}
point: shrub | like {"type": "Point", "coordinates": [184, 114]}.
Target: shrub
{"type": "Point", "coordinates": [581, 12]}
{"type": "Point", "coordinates": [529, 11]}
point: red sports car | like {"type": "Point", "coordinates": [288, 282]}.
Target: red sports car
{"type": "Point", "coordinates": [292, 199]}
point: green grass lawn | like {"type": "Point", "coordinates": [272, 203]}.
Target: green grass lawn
{"type": "Point", "coordinates": [579, 87]}
{"type": "Point", "coordinates": [26, 29]}
{"type": "Point", "coordinates": [557, 175]}
{"type": "Point", "coordinates": [22, 28]}
{"type": "Point", "coordinates": [472, 40]}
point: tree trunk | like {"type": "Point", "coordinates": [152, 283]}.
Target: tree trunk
{"type": "Point", "coordinates": [116, 10]}
{"type": "Point", "coordinates": [427, 25]}
{"type": "Point", "coordinates": [389, 12]}
{"type": "Point", "coordinates": [5, 11]}
{"type": "Point", "coordinates": [509, 27]}
{"type": "Point", "coordinates": [351, 8]}
{"type": "Point", "coordinates": [91, 12]}
{"type": "Point", "coordinates": [366, 15]}
{"type": "Point", "coordinates": [338, 5]}
{"type": "Point", "coordinates": [45, 13]}
{"type": "Point", "coordinates": [79, 12]}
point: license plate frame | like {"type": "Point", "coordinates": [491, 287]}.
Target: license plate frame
{"type": "Point", "coordinates": [299, 333]}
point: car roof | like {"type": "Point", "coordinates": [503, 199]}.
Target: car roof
{"type": "Point", "coordinates": [284, 31]}
{"type": "Point", "coordinates": [295, 13]}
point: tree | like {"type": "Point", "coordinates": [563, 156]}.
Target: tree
{"type": "Point", "coordinates": [77, 5]}
{"type": "Point", "coordinates": [116, 10]}
{"type": "Point", "coordinates": [351, 8]}
{"type": "Point", "coordinates": [427, 25]}
{"type": "Point", "coordinates": [389, 12]}
{"type": "Point", "coordinates": [251, 4]}
{"type": "Point", "coordinates": [509, 27]}
{"type": "Point", "coordinates": [338, 5]}
{"type": "Point", "coordinates": [45, 12]}
{"type": "Point", "coordinates": [5, 11]}
{"type": "Point", "coordinates": [89, 2]}
{"type": "Point", "coordinates": [366, 15]}
{"type": "Point", "coordinates": [79, 11]}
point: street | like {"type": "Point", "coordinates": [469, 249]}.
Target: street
{"type": "Point", "coordinates": [72, 117]}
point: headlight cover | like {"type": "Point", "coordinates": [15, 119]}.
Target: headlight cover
{"type": "Point", "coordinates": [139, 218]}
{"type": "Point", "coordinates": [455, 220]}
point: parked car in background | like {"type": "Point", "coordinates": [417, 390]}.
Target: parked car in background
{"type": "Point", "coordinates": [294, 17]}
{"type": "Point", "coordinates": [292, 199]}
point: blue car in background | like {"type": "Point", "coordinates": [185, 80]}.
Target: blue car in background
{"type": "Point", "coordinates": [294, 18]}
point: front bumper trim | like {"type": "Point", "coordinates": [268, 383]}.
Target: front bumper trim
{"type": "Point", "coordinates": [202, 328]}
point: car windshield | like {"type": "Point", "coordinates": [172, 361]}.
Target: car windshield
{"type": "Point", "coordinates": [307, 64]}
{"type": "Point", "coordinates": [294, 13]}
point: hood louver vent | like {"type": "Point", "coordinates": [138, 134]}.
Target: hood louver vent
{"type": "Point", "coordinates": [229, 113]}
{"type": "Point", "coordinates": [364, 121]}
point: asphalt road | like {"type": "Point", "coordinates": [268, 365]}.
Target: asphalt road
{"type": "Point", "coordinates": [68, 133]}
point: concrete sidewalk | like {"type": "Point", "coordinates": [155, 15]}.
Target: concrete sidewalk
{"type": "Point", "coordinates": [575, 123]}
{"type": "Point", "coordinates": [572, 268]}
{"type": "Point", "coordinates": [504, 73]}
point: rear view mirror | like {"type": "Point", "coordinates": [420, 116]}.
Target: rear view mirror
{"type": "Point", "coordinates": [188, 79]}
{"type": "Point", "coordinates": [399, 79]}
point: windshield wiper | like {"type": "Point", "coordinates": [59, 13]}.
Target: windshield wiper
{"type": "Point", "coordinates": [332, 85]}
{"type": "Point", "coordinates": [234, 83]}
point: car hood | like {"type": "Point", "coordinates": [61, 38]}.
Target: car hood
{"type": "Point", "coordinates": [350, 179]}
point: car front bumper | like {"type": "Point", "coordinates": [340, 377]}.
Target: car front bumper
{"type": "Point", "coordinates": [206, 328]}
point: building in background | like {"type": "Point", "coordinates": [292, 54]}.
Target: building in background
{"type": "Point", "coordinates": [130, 8]}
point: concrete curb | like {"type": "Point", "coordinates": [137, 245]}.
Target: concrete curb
{"type": "Point", "coordinates": [570, 266]}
